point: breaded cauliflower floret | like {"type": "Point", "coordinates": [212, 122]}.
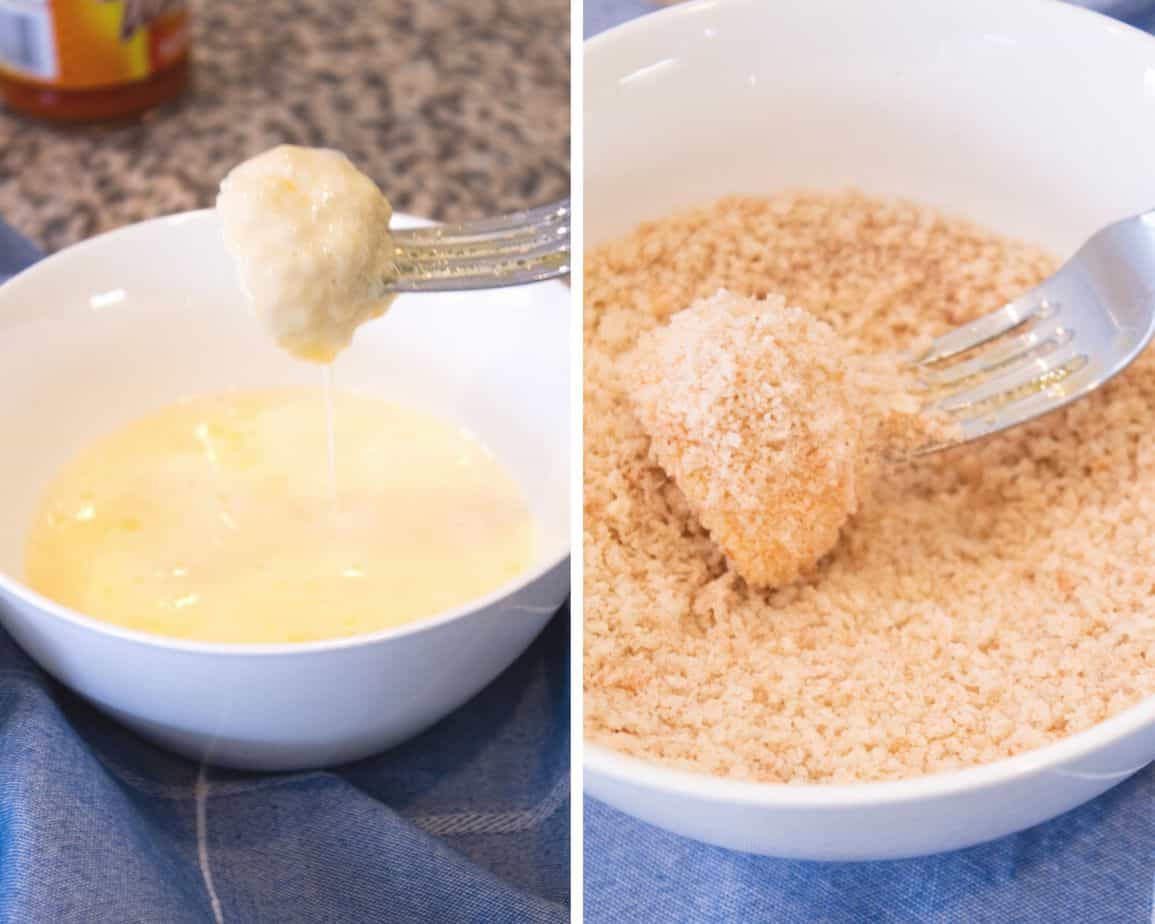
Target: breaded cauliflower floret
{"type": "Point", "coordinates": [750, 406]}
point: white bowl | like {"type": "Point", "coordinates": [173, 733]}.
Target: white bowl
{"type": "Point", "coordinates": [105, 331]}
{"type": "Point", "coordinates": [1032, 117]}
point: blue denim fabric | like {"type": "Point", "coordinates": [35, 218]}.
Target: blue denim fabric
{"type": "Point", "coordinates": [1138, 13]}
{"type": "Point", "coordinates": [16, 252]}
{"type": "Point", "coordinates": [599, 15]}
{"type": "Point", "coordinates": [1095, 865]}
{"type": "Point", "coordinates": [467, 823]}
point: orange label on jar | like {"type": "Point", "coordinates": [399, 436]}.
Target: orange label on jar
{"type": "Point", "coordinates": [91, 43]}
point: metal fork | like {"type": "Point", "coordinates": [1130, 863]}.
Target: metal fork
{"type": "Point", "coordinates": [1051, 346]}
{"type": "Point", "coordinates": [512, 250]}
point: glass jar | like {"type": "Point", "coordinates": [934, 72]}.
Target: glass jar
{"type": "Point", "coordinates": [91, 60]}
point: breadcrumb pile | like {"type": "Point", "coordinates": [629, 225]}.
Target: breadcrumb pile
{"type": "Point", "coordinates": [751, 408]}
{"type": "Point", "coordinates": [980, 603]}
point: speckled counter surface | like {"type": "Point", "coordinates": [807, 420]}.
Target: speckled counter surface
{"type": "Point", "coordinates": [457, 108]}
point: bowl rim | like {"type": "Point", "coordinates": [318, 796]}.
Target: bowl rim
{"type": "Point", "coordinates": [691, 8]}
{"type": "Point", "coordinates": [621, 768]}
{"type": "Point", "coordinates": [19, 590]}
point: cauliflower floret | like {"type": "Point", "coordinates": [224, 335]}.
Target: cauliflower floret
{"type": "Point", "coordinates": [309, 234]}
{"type": "Point", "coordinates": [750, 406]}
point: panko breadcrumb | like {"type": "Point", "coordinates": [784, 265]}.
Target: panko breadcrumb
{"type": "Point", "coordinates": [750, 406]}
{"type": "Point", "coordinates": [981, 602]}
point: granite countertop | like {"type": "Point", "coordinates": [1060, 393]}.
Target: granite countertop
{"type": "Point", "coordinates": [457, 108]}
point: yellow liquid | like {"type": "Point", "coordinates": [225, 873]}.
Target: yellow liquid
{"type": "Point", "coordinates": [217, 520]}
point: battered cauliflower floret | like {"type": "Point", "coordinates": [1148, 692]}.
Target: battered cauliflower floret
{"type": "Point", "coordinates": [751, 409]}
{"type": "Point", "coordinates": [309, 234]}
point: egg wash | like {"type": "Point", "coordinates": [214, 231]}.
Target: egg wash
{"type": "Point", "coordinates": [247, 518]}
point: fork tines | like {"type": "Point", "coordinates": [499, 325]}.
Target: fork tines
{"type": "Point", "coordinates": [1004, 368]}
{"type": "Point", "coordinates": [512, 249]}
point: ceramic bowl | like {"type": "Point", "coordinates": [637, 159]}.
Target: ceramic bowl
{"type": "Point", "coordinates": [1031, 117]}
{"type": "Point", "coordinates": [129, 321]}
